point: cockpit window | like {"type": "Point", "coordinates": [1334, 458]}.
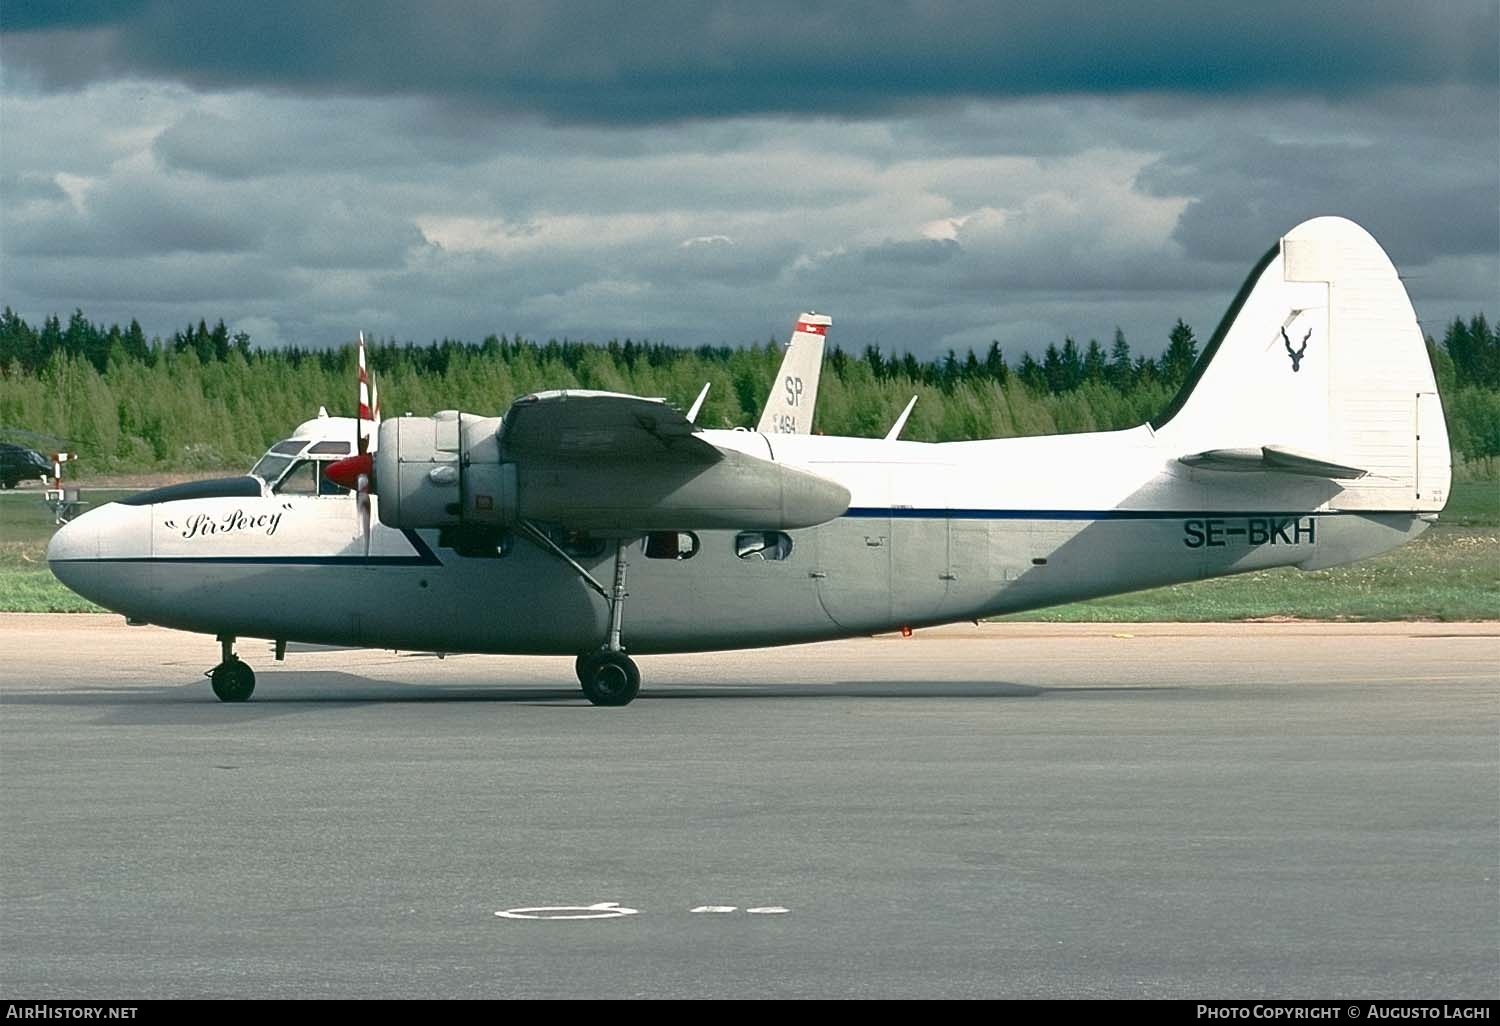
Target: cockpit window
{"type": "Point", "coordinates": [329, 449]}
{"type": "Point", "coordinates": [290, 447]}
{"type": "Point", "coordinates": [300, 480]}
{"type": "Point", "coordinates": [270, 467]}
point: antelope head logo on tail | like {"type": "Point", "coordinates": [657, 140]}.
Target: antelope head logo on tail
{"type": "Point", "coordinates": [1296, 354]}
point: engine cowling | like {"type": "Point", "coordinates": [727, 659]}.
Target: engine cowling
{"type": "Point", "coordinates": [444, 471]}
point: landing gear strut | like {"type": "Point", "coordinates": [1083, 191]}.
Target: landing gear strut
{"type": "Point", "coordinates": [232, 679]}
{"type": "Point", "coordinates": [609, 676]}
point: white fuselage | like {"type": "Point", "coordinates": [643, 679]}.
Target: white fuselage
{"type": "Point", "coordinates": [934, 533]}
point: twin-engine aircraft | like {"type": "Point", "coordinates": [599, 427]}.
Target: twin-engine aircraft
{"type": "Point", "coordinates": [601, 526]}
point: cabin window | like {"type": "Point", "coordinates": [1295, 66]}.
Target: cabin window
{"type": "Point", "coordinates": [762, 545]}
{"type": "Point", "coordinates": [670, 545]}
{"type": "Point", "coordinates": [328, 448]}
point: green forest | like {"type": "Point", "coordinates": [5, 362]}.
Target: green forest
{"type": "Point", "coordinates": [205, 399]}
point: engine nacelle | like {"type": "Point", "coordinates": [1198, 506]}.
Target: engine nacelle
{"type": "Point", "coordinates": [444, 471]}
{"type": "Point", "coordinates": [447, 471]}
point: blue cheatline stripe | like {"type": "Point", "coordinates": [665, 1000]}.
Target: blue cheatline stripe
{"type": "Point", "coordinates": [423, 556]}
{"type": "Point", "coordinates": [914, 513]}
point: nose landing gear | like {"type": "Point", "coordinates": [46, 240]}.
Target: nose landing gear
{"type": "Point", "coordinates": [232, 679]}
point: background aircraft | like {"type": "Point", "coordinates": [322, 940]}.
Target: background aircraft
{"type": "Point", "coordinates": [589, 524]}
{"type": "Point", "coordinates": [794, 391]}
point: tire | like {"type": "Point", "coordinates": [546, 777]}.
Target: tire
{"type": "Point", "coordinates": [233, 681]}
{"type": "Point", "coordinates": [613, 679]}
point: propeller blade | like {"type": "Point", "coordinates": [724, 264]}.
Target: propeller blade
{"type": "Point", "coordinates": [363, 412]}
{"type": "Point", "coordinates": [358, 472]}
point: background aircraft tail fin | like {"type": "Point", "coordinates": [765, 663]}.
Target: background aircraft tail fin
{"type": "Point", "coordinates": [794, 393]}
{"type": "Point", "coordinates": [1320, 355]}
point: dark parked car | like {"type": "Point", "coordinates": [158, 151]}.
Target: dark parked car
{"type": "Point", "coordinates": [18, 463]}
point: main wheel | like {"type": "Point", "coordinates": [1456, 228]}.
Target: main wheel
{"type": "Point", "coordinates": [583, 666]}
{"type": "Point", "coordinates": [233, 681]}
{"type": "Point", "coordinates": [612, 678]}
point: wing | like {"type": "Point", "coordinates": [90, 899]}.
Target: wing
{"type": "Point", "coordinates": [606, 461]}
{"type": "Point", "coordinates": [585, 425]}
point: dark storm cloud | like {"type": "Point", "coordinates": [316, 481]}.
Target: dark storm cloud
{"type": "Point", "coordinates": [632, 62]}
{"type": "Point", "coordinates": [932, 175]}
{"type": "Point", "coordinates": [140, 218]}
{"type": "Point", "coordinates": [196, 281]}
{"type": "Point", "coordinates": [273, 137]}
{"type": "Point", "coordinates": [1429, 186]}
{"type": "Point", "coordinates": [919, 252]}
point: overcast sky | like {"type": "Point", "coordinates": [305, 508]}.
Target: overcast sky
{"type": "Point", "coordinates": [932, 174]}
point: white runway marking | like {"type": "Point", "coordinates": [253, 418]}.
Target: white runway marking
{"type": "Point", "coordinates": [603, 910]}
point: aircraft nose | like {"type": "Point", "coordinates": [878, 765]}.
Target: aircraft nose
{"type": "Point", "coordinates": [74, 541]}
{"type": "Point", "coordinates": [98, 554]}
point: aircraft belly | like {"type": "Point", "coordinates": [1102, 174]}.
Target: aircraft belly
{"type": "Point", "coordinates": [716, 600]}
{"type": "Point", "coordinates": [853, 572]}
{"type": "Point", "coordinates": [921, 569]}
{"type": "Point", "coordinates": [1071, 560]}
{"type": "Point", "coordinates": [525, 602]}
{"type": "Point", "coordinates": [985, 556]}
{"type": "Point", "coordinates": [267, 600]}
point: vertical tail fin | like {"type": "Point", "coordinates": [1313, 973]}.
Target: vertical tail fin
{"type": "Point", "coordinates": [1321, 356]}
{"type": "Point", "coordinates": [794, 393]}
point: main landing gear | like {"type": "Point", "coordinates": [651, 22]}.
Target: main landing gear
{"type": "Point", "coordinates": [609, 676]}
{"type": "Point", "coordinates": [232, 679]}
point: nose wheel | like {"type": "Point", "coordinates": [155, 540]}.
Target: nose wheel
{"type": "Point", "coordinates": [608, 678]}
{"type": "Point", "coordinates": [232, 679]}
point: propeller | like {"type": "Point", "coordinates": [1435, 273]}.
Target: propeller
{"type": "Point", "coordinates": [357, 473]}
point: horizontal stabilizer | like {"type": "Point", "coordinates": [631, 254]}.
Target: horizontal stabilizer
{"type": "Point", "coordinates": [1271, 459]}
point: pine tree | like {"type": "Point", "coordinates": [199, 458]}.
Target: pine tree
{"type": "Point", "coordinates": [1182, 353]}
{"type": "Point", "coordinates": [1031, 374]}
{"type": "Point", "coordinates": [1095, 367]}
{"type": "Point", "coordinates": [994, 364]}
{"type": "Point", "coordinates": [1121, 370]}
